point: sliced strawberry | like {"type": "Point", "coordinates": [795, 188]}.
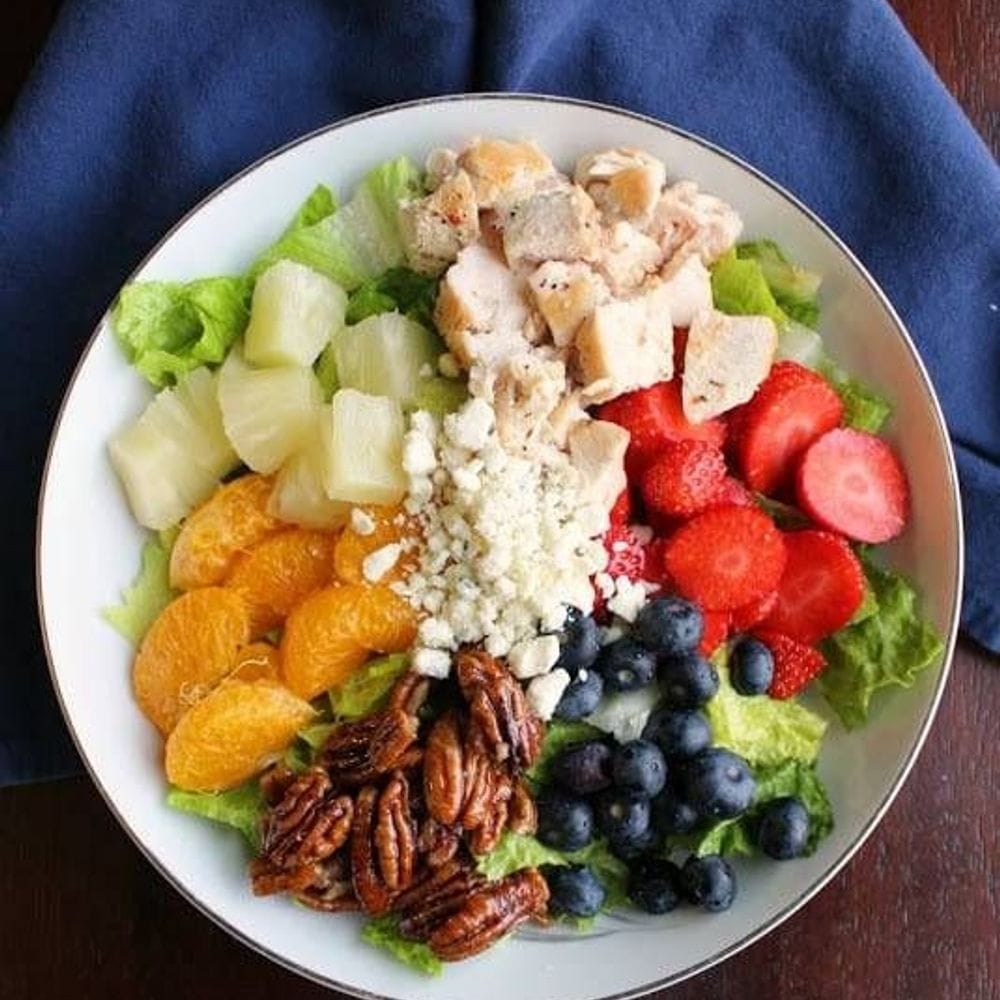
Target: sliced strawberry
{"type": "Point", "coordinates": [652, 417]}
{"type": "Point", "coordinates": [795, 664]}
{"type": "Point", "coordinates": [852, 482]}
{"type": "Point", "coordinates": [621, 512]}
{"type": "Point", "coordinates": [726, 557]}
{"type": "Point", "coordinates": [684, 479]}
{"type": "Point", "coordinates": [716, 631]}
{"type": "Point", "coordinates": [821, 588]}
{"type": "Point", "coordinates": [626, 552]}
{"type": "Point", "coordinates": [792, 408]}
{"type": "Point", "coordinates": [733, 493]}
{"type": "Point", "coordinates": [754, 612]}
{"type": "Point", "coordinates": [656, 570]}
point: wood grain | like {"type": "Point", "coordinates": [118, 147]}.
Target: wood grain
{"type": "Point", "coordinates": [915, 916]}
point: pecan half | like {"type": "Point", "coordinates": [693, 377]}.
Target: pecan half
{"type": "Point", "coordinates": [487, 834]}
{"type": "Point", "coordinates": [487, 914]}
{"type": "Point", "coordinates": [444, 770]}
{"type": "Point", "coordinates": [410, 692]}
{"type": "Point", "coordinates": [436, 843]}
{"type": "Point", "coordinates": [435, 898]}
{"type": "Point", "coordinates": [359, 752]}
{"type": "Point", "coordinates": [523, 815]}
{"type": "Point", "coordinates": [331, 891]}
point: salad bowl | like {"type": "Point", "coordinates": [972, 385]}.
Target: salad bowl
{"type": "Point", "coordinates": [87, 545]}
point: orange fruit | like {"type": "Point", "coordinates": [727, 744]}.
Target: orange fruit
{"type": "Point", "coordinates": [391, 525]}
{"type": "Point", "coordinates": [279, 572]}
{"type": "Point", "coordinates": [256, 661]}
{"type": "Point", "coordinates": [230, 521]}
{"type": "Point", "coordinates": [233, 733]}
{"type": "Point", "coordinates": [330, 634]}
{"type": "Point", "coordinates": [188, 649]}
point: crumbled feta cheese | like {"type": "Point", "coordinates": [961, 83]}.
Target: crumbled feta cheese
{"type": "Point", "coordinates": [471, 425]}
{"type": "Point", "coordinates": [605, 584]}
{"type": "Point", "coordinates": [376, 564]}
{"type": "Point", "coordinates": [628, 599]}
{"type": "Point", "coordinates": [544, 692]}
{"type": "Point", "coordinates": [431, 663]}
{"type": "Point", "coordinates": [448, 365]}
{"type": "Point", "coordinates": [625, 715]}
{"type": "Point", "coordinates": [418, 454]}
{"type": "Point", "coordinates": [611, 633]}
{"type": "Point", "coordinates": [436, 633]}
{"type": "Point", "coordinates": [362, 523]}
{"type": "Point", "coordinates": [532, 657]}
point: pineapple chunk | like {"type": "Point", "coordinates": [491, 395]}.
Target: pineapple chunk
{"type": "Point", "coordinates": [363, 440]}
{"type": "Point", "coordinates": [385, 354]}
{"type": "Point", "coordinates": [173, 456]}
{"type": "Point", "coordinates": [267, 412]}
{"type": "Point", "coordinates": [294, 314]}
{"type": "Point", "coordinates": [298, 495]}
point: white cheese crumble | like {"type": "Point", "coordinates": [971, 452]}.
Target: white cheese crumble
{"type": "Point", "coordinates": [376, 564]}
{"type": "Point", "coordinates": [362, 523]}
{"type": "Point", "coordinates": [533, 657]}
{"type": "Point", "coordinates": [448, 365]}
{"type": "Point", "coordinates": [544, 692]}
{"type": "Point", "coordinates": [628, 599]}
{"type": "Point", "coordinates": [431, 663]}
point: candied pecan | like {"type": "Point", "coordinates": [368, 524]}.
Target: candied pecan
{"type": "Point", "coordinates": [444, 780]}
{"type": "Point", "coordinates": [523, 815]}
{"type": "Point", "coordinates": [435, 898]}
{"type": "Point", "coordinates": [410, 692]}
{"type": "Point", "coordinates": [487, 834]}
{"type": "Point", "coordinates": [373, 894]}
{"type": "Point", "coordinates": [331, 890]}
{"type": "Point", "coordinates": [359, 752]}
{"type": "Point", "coordinates": [488, 913]}
{"type": "Point", "coordinates": [437, 843]}
{"type": "Point", "coordinates": [274, 782]}
{"type": "Point", "coordinates": [479, 782]}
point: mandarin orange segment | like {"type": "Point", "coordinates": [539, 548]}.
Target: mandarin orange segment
{"type": "Point", "coordinates": [391, 525]}
{"type": "Point", "coordinates": [188, 649]}
{"type": "Point", "coordinates": [232, 733]}
{"type": "Point", "coordinates": [384, 622]}
{"type": "Point", "coordinates": [279, 573]}
{"type": "Point", "coordinates": [258, 661]}
{"type": "Point", "coordinates": [229, 522]}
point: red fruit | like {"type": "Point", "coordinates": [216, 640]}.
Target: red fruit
{"type": "Point", "coordinates": [821, 588]}
{"type": "Point", "coordinates": [754, 612]}
{"type": "Point", "coordinates": [852, 482]}
{"type": "Point", "coordinates": [626, 553]}
{"type": "Point", "coordinates": [726, 557]}
{"type": "Point", "coordinates": [680, 349]}
{"type": "Point", "coordinates": [792, 408]}
{"type": "Point", "coordinates": [716, 630]}
{"type": "Point", "coordinates": [733, 493]}
{"type": "Point", "coordinates": [621, 512]}
{"type": "Point", "coordinates": [656, 571]}
{"type": "Point", "coordinates": [653, 417]}
{"type": "Point", "coordinates": [795, 664]}
{"type": "Point", "coordinates": [684, 479]}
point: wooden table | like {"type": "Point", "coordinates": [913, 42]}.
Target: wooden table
{"type": "Point", "coordinates": [915, 916]}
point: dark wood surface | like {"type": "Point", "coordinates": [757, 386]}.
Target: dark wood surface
{"type": "Point", "coordinates": [915, 916]}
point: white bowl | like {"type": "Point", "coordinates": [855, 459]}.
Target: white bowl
{"type": "Point", "coordinates": [89, 547]}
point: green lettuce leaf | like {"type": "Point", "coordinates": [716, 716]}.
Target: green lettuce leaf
{"type": "Point", "coordinates": [149, 593]}
{"type": "Point", "coordinates": [887, 649]}
{"type": "Point", "coordinates": [795, 290]}
{"type": "Point", "coordinates": [784, 515]}
{"type": "Point", "coordinates": [326, 372]}
{"type": "Point", "coordinates": [740, 289]}
{"type": "Point", "coordinates": [763, 730]}
{"type": "Point", "coordinates": [383, 932]}
{"type": "Point", "coordinates": [397, 290]}
{"type": "Point", "coordinates": [558, 736]}
{"type": "Point", "coordinates": [864, 409]}
{"type": "Point", "coordinates": [315, 736]}
{"type": "Point", "coordinates": [167, 328]}
{"type": "Point", "coordinates": [366, 690]}
{"type": "Point", "coordinates": [240, 807]}
{"type": "Point", "coordinates": [320, 203]}
{"type": "Point", "coordinates": [440, 395]}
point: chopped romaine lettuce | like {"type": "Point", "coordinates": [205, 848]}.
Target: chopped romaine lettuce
{"type": "Point", "coordinates": [864, 409]}
{"type": "Point", "coordinates": [399, 290]}
{"type": "Point", "coordinates": [366, 690]}
{"type": "Point", "coordinates": [558, 736]}
{"type": "Point", "coordinates": [795, 289]}
{"type": "Point", "coordinates": [240, 807]}
{"type": "Point", "coordinates": [167, 328]}
{"type": "Point", "coordinates": [383, 932]}
{"type": "Point", "coordinates": [440, 395]}
{"type": "Point", "coordinates": [740, 289]}
{"type": "Point", "coordinates": [888, 648]}
{"type": "Point", "coordinates": [800, 344]}
{"type": "Point", "coordinates": [149, 593]}
{"type": "Point", "coordinates": [326, 372]}
{"type": "Point", "coordinates": [315, 736]}
{"type": "Point", "coordinates": [320, 203]}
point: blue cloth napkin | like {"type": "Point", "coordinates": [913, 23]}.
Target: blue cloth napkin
{"type": "Point", "coordinates": [138, 108]}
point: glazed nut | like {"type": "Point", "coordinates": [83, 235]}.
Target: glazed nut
{"type": "Point", "coordinates": [360, 752]}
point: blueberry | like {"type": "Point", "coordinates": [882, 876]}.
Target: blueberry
{"type": "Point", "coordinates": [670, 814]}
{"type": "Point", "coordinates": [579, 642]}
{"type": "Point", "coordinates": [628, 845]}
{"type": "Point", "coordinates": [581, 697]}
{"type": "Point", "coordinates": [564, 821]}
{"type": "Point", "coordinates": [583, 768]}
{"type": "Point", "coordinates": [678, 732]}
{"type": "Point", "coordinates": [622, 814]}
{"type": "Point", "coordinates": [654, 885]}
{"type": "Point", "coordinates": [751, 666]}
{"type": "Point", "coordinates": [573, 890]}
{"type": "Point", "coordinates": [639, 764]}
{"type": "Point", "coordinates": [626, 665]}
{"type": "Point", "coordinates": [717, 783]}
{"type": "Point", "coordinates": [687, 681]}
{"type": "Point", "coordinates": [783, 828]}
{"type": "Point", "coordinates": [670, 625]}
{"type": "Point", "coordinates": [708, 882]}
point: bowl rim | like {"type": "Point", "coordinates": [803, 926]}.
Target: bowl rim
{"type": "Point", "coordinates": [953, 623]}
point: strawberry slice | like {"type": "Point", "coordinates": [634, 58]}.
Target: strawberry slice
{"type": "Point", "coordinates": [754, 612]}
{"type": "Point", "coordinates": [792, 408]}
{"type": "Point", "coordinates": [716, 631]}
{"type": "Point", "coordinates": [626, 552]}
{"type": "Point", "coordinates": [726, 557]}
{"type": "Point", "coordinates": [795, 664]}
{"type": "Point", "coordinates": [852, 482]}
{"type": "Point", "coordinates": [656, 570]}
{"type": "Point", "coordinates": [821, 588]}
{"type": "Point", "coordinates": [684, 479]}
{"type": "Point", "coordinates": [653, 417]}
{"type": "Point", "coordinates": [621, 512]}
{"type": "Point", "coordinates": [733, 493]}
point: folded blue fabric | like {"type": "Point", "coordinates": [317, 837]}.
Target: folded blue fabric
{"type": "Point", "coordinates": [137, 109]}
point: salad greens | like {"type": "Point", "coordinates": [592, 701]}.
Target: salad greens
{"type": "Point", "coordinates": [383, 932]}
{"type": "Point", "coordinates": [795, 289]}
{"type": "Point", "coordinates": [864, 409]}
{"type": "Point", "coordinates": [367, 689]}
{"type": "Point", "coordinates": [397, 290]}
{"type": "Point", "coordinates": [740, 289]}
{"type": "Point", "coordinates": [149, 593]}
{"type": "Point", "coordinates": [241, 808]}
{"type": "Point", "coordinates": [320, 203]}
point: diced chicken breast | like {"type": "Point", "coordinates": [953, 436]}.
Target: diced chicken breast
{"type": "Point", "coordinates": [628, 257]}
{"type": "Point", "coordinates": [558, 224]}
{"type": "Point", "coordinates": [565, 295]}
{"type": "Point", "coordinates": [481, 310]}
{"type": "Point", "coordinates": [625, 183]}
{"type": "Point", "coordinates": [567, 415]}
{"type": "Point", "coordinates": [726, 358]}
{"type": "Point", "coordinates": [626, 344]}
{"type": "Point", "coordinates": [439, 166]}
{"type": "Point", "coordinates": [435, 228]}
{"type": "Point", "coordinates": [597, 450]}
{"type": "Point", "coordinates": [502, 171]}
{"type": "Point", "coordinates": [526, 391]}
{"type": "Point", "coordinates": [687, 288]}
{"type": "Point", "coordinates": [686, 221]}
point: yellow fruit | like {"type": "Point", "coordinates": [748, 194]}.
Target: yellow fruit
{"type": "Point", "coordinates": [391, 525]}
{"type": "Point", "coordinates": [259, 660]}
